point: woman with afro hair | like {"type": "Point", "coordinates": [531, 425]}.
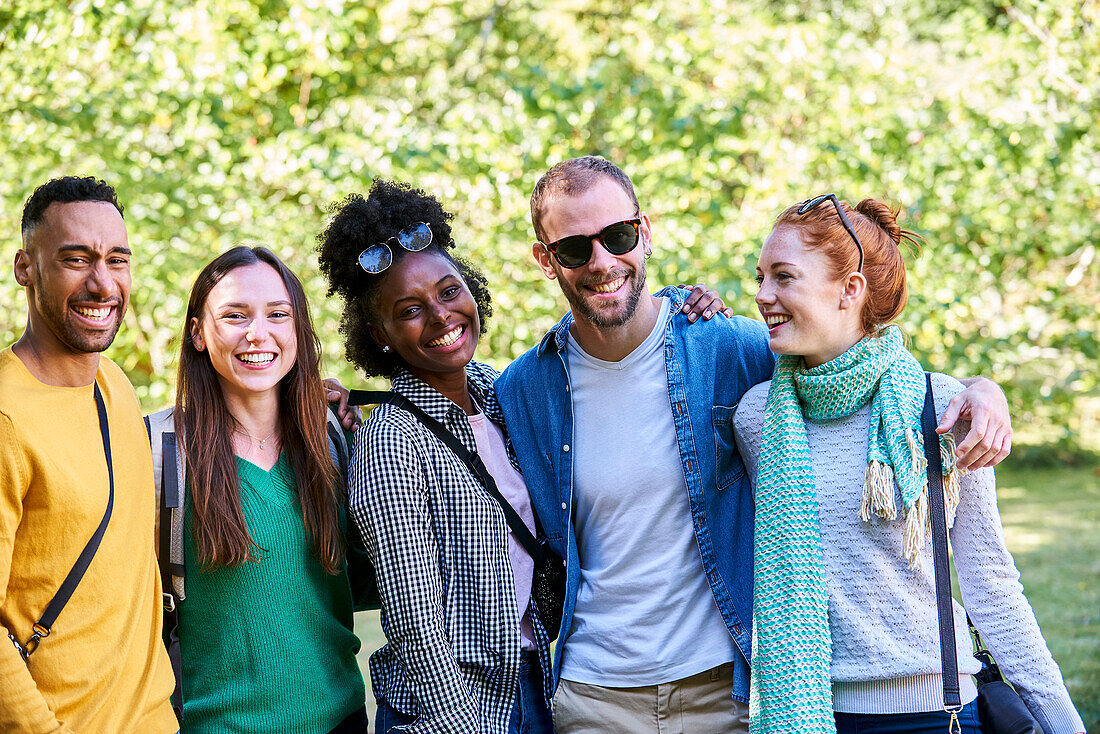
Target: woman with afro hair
{"type": "Point", "coordinates": [467, 650]}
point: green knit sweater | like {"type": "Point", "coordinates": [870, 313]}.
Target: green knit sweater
{"type": "Point", "coordinates": [268, 646]}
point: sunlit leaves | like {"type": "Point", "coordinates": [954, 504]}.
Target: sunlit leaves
{"type": "Point", "coordinates": [240, 120]}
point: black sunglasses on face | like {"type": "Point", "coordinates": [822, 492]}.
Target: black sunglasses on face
{"type": "Point", "coordinates": [811, 203]}
{"type": "Point", "coordinates": [576, 250]}
{"type": "Point", "coordinates": [377, 258]}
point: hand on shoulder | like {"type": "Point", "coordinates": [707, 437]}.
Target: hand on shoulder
{"type": "Point", "coordinates": [989, 437]}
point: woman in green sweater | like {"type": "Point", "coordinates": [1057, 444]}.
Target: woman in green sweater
{"type": "Point", "coordinates": [265, 626]}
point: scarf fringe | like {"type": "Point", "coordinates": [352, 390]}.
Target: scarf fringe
{"type": "Point", "coordinates": [878, 482]}
{"type": "Point", "coordinates": [916, 523]}
{"type": "Point", "coordinates": [951, 476]}
{"type": "Point", "coordinates": [917, 519]}
{"type": "Point", "coordinates": [916, 451]}
{"type": "Point", "coordinates": [878, 492]}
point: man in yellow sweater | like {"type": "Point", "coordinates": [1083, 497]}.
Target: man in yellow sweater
{"type": "Point", "coordinates": [102, 668]}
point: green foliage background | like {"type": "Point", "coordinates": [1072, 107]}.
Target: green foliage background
{"type": "Point", "coordinates": [240, 120]}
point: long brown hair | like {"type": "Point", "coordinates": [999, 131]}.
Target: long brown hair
{"type": "Point", "coordinates": [205, 424]}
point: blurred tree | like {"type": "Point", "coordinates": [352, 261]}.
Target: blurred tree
{"type": "Point", "coordinates": [240, 120]}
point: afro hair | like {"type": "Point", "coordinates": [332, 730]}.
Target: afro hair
{"type": "Point", "coordinates": [359, 223]}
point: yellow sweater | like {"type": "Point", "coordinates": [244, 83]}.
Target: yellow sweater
{"type": "Point", "coordinates": [103, 668]}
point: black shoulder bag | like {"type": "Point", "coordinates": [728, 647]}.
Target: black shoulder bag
{"type": "Point", "coordinates": [41, 629]}
{"type": "Point", "coordinates": [1000, 708]}
{"type": "Point", "coordinates": [548, 586]}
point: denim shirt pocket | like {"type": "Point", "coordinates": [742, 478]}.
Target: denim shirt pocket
{"type": "Point", "coordinates": [728, 467]}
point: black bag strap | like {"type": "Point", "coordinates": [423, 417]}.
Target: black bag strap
{"type": "Point", "coordinates": [990, 672]}
{"type": "Point", "coordinates": [952, 700]}
{"type": "Point", "coordinates": [472, 461]}
{"type": "Point", "coordinates": [41, 628]}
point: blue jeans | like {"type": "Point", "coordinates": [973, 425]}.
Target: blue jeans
{"type": "Point", "coordinates": [933, 722]}
{"type": "Point", "coordinates": [530, 715]}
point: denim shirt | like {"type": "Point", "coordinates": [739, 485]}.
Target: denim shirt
{"type": "Point", "coordinates": [709, 365]}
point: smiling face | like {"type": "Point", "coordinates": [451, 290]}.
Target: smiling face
{"type": "Point", "coordinates": [427, 315]}
{"type": "Point", "coordinates": [808, 311]}
{"type": "Point", "coordinates": [247, 328]}
{"type": "Point", "coordinates": [76, 269]}
{"type": "Point", "coordinates": [606, 290]}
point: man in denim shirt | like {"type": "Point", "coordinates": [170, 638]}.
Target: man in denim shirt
{"type": "Point", "coordinates": [621, 421]}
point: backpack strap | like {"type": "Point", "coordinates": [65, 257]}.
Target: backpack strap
{"type": "Point", "coordinates": [361, 574]}
{"type": "Point", "coordinates": [170, 506]}
{"type": "Point", "coordinates": [337, 444]}
{"type": "Point", "coordinates": [168, 480]}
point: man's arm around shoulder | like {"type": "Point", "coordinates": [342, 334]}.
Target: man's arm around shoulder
{"type": "Point", "coordinates": [989, 439]}
{"type": "Point", "coordinates": [742, 345]}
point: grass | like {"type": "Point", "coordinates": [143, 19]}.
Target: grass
{"type": "Point", "coordinates": [1051, 516]}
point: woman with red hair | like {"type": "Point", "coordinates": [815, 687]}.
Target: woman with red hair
{"type": "Point", "coordinates": [846, 633]}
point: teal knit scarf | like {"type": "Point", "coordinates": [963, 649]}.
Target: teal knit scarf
{"type": "Point", "coordinates": [792, 648]}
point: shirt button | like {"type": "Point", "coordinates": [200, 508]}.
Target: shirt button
{"type": "Point", "coordinates": [567, 388]}
{"type": "Point", "coordinates": [564, 506]}
{"type": "Point", "coordinates": [565, 448]}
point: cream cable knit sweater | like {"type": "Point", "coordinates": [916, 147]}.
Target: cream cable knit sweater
{"type": "Point", "coordinates": [882, 615]}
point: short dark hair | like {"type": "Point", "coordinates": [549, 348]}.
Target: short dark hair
{"type": "Point", "coordinates": [572, 178]}
{"type": "Point", "coordinates": [358, 223]}
{"type": "Point", "coordinates": [65, 190]}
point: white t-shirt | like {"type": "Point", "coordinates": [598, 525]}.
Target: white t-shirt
{"type": "Point", "coordinates": [645, 613]}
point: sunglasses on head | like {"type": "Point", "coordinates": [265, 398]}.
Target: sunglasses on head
{"type": "Point", "coordinates": [812, 203]}
{"type": "Point", "coordinates": [576, 250]}
{"type": "Point", "coordinates": [377, 258]}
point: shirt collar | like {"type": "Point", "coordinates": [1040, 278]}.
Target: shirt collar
{"type": "Point", "coordinates": [479, 379]}
{"type": "Point", "coordinates": [424, 397]}
{"type": "Point", "coordinates": [559, 334]}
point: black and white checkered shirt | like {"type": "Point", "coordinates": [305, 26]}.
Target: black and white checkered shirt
{"type": "Point", "coordinates": [439, 545]}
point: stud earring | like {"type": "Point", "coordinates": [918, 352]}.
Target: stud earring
{"type": "Point", "coordinates": [386, 349]}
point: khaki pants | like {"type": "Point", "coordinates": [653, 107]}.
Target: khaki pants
{"type": "Point", "coordinates": [700, 704]}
